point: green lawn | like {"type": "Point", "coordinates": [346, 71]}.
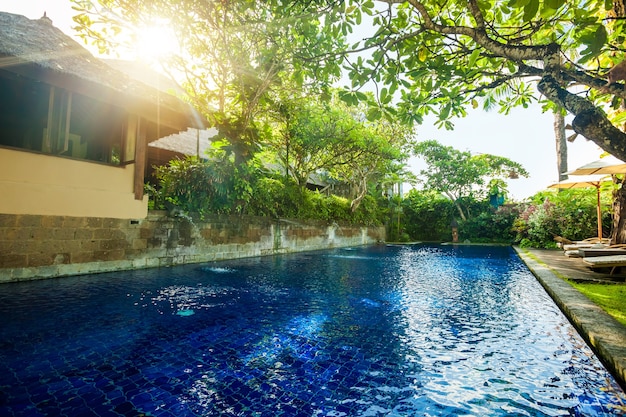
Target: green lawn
{"type": "Point", "coordinates": [611, 297]}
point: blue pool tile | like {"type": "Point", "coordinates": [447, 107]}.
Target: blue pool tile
{"type": "Point", "coordinates": [296, 340]}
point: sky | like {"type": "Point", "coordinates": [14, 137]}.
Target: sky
{"type": "Point", "coordinates": [525, 136]}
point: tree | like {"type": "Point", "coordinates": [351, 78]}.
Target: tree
{"type": "Point", "coordinates": [192, 185]}
{"type": "Point", "coordinates": [440, 57]}
{"type": "Point", "coordinates": [385, 146]}
{"type": "Point", "coordinates": [428, 215]}
{"type": "Point", "coordinates": [233, 53]}
{"type": "Point", "coordinates": [242, 63]}
{"type": "Point", "coordinates": [316, 137]}
{"type": "Point", "coordinates": [459, 174]}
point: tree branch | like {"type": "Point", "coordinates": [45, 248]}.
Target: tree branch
{"type": "Point", "coordinates": [589, 120]}
{"type": "Point", "coordinates": [548, 53]}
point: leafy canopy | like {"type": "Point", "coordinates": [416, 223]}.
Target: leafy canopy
{"type": "Point", "coordinates": [442, 57]}
{"type": "Point", "coordinates": [233, 54]}
{"type": "Point", "coordinates": [418, 57]}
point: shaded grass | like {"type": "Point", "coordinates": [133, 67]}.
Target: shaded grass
{"type": "Point", "coordinates": [610, 297]}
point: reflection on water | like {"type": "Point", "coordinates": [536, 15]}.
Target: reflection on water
{"type": "Point", "coordinates": [416, 330]}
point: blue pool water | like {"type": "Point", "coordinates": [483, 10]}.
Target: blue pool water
{"type": "Point", "coordinates": [375, 331]}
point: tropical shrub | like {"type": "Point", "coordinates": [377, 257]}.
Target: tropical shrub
{"type": "Point", "coordinates": [428, 216]}
{"type": "Point", "coordinates": [369, 212]}
{"type": "Point", "coordinates": [491, 224]}
{"type": "Point", "coordinates": [275, 198]}
{"type": "Point", "coordinates": [195, 186]}
{"type": "Point", "coordinates": [318, 206]}
{"type": "Point", "coordinates": [542, 225]}
{"type": "Point", "coordinates": [568, 213]}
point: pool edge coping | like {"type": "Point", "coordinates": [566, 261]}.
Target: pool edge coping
{"type": "Point", "coordinates": [605, 335]}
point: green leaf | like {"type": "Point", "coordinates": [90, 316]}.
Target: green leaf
{"type": "Point", "coordinates": [473, 57]}
{"type": "Point", "coordinates": [530, 10]}
{"type": "Point", "coordinates": [360, 95]}
{"type": "Point", "coordinates": [547, 12]}
{"type": "Point", "coordinates": [374, 113]}
{"type": "Point", "coordinates": [445, 112]}
{"type": "Point", "coordinates": [383, 96]}
{"type": "Point", "coordinates": [369, 4]}
{"type": "Point", "coordinates": [517, 4]}
{"type": "Point", "coordinates": [599, 39]}
{"type": "Point", "coordinates": [553, 4]}
{"type": "Point", "coordinates": [511, 67]}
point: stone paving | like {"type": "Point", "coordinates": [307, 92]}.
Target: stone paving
{"type": "Point", "coordinates": [605, 335]}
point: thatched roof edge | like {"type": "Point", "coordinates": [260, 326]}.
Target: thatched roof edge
{"type": "Point", "coordinates": [38, 42]}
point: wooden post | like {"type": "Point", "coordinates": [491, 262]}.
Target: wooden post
{"type": "Point", "coordinates": [599, 210]}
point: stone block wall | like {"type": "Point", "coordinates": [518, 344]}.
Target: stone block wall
{"type": "Point", "coordinates": [37, 247]}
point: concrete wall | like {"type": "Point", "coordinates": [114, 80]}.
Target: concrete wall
{"type": "Point", "coordinates": [32, 183]}
{"type": "Point", "coordinates": [37, 247]}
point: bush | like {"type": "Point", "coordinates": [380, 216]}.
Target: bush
{"type": "Point", "coordinates": [427, 216]}
{"type": "Point", "coordinates": [330, 208]}
{"type": "Point", "coordinates": [569, 213]}
{"type": "Point", "coordinates": [280, 198]}
{"type": "Point", "coordinates": [369, 212]}
{"type": "Point", "coordinates": [196, 186]}
{"type": "Point", "coordinates": [491, 225]}
{"type": "Point", "coordinates": [275, 198]}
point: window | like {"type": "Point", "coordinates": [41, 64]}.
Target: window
{"type": "Point", "coordinates": [43, 118]}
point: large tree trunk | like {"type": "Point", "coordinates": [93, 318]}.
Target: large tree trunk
{"type": "Point", "coordinates": [561, 144]}
{"type": "Point", "coordinates": [618, 233]}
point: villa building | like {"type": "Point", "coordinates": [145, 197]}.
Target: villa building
{"type": "Point", "coordinates": [74, 131]}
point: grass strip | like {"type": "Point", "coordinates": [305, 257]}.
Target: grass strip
{"type": "Point", "coordinates": [610, 297]}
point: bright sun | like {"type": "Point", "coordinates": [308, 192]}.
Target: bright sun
{"type": "Point", "coordinates": [156, 41]}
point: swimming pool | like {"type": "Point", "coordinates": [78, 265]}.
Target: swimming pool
{"type": "Point", "coordinates": [368, 331]}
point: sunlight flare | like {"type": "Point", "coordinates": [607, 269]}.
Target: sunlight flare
{"type": "Point", "coordinates": [156, 41]}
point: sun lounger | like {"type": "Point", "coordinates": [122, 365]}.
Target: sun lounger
{"type": "Point", "coordinates": [568, 245]}
{"type": "Point", "coordinates": [596, 250]}
{"type": "Point", "coordinates": [572, 251]}
{"type": "Point", "coordinates": [608, 251]}
{"type": "Point", "coordinates": [589, 241]}
{"type": "Point", "coordinates": [611, 261]}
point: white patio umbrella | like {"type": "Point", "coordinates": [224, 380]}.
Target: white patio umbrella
{"type": "Point", "coordinates": [586, 181]}
{"type": "Point", "coordinates": [608, 165]}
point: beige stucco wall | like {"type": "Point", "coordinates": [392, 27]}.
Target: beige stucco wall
{"type": "Point", "coordinates": [32, 183]}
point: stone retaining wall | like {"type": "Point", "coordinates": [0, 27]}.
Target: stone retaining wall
{"type": "Point", "coordinates": [37, 247]}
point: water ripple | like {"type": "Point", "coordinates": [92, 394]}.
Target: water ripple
{"type": "Point", "coordinates": [397, 331]}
